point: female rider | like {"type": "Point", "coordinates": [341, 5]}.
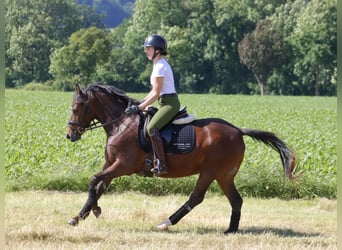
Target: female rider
{"type": "Point", "coordinates": [163, 90]}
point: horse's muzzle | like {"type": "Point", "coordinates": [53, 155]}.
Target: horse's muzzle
{"type": "Point", "coordinates": [73, 134]}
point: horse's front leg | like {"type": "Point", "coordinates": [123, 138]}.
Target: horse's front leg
{"type": "Point", "coordinates": [120, 161]}
{"type": "Point", "coordinates": [100, 188]}
{"type": "Point", "coordinates": [97, 186]}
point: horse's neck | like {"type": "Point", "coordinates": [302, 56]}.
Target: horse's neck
{"type": "Point", "coordinates": [111, 111]}
{"type": "Point", "coordinates": [124, 126]}
{"type": "Point", "coordinates": [107, 111]}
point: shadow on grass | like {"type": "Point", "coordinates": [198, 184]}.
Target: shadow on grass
{"type": "Point", "coordinates": [283, 232]}
{"type": "Point", "coordinates": [48, 237]}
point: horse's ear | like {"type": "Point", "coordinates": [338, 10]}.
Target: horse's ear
{"type": "Point", "coordinates": [78, 89]}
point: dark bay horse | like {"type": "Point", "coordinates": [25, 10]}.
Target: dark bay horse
{"type": "Point", "coordinates": [217, 155]}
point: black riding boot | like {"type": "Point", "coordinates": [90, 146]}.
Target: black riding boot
{"type": "Point", "coordinates": [159, 163]}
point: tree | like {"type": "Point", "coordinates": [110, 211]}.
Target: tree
{"type": "Point", "coordinates": [262, 50]}
{"type": "Point", "coordinates": [87, 48]}
{"type": "Point", "coordinates": [314, 40]}
{"type": "Point", "coordinates": [122, 69]}
{"type": "Point", "coordinates": [232, 20]}
{"type": "Point", "coordinates": [284, 20]}
{"type": "Point", "coordinates": [290, 45]}
{"type": "Point", "coordinates": [294, 50]}
{"type": "Point", "coordinates": [27, 57]}
{"type": "Point", "coordinates": [33, 30]}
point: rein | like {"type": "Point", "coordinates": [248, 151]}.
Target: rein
{"type": "Point", "coordinates": [94, 125]}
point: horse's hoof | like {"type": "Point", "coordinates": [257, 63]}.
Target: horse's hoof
{"type": "Point", "coordinates": [73, 222]}
{"type": "Point", "coordinates": [164, 225]}
{"type": "Point", "coordinates": [229, 231]}
{"type": "Point", "coordinates": [97, 212]}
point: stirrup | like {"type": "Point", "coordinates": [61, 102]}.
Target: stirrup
{"type": "Point", "coordinates": [157, 169]}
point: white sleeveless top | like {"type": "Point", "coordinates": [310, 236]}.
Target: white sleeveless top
{"type": "Point", "coordinates": [163, 69]}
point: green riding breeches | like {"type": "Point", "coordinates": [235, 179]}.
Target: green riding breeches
{"type": "Point", "coordinates": [168, 107]}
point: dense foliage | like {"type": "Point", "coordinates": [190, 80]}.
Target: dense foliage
{"type": "Point", "coordinates": [36, 28]}
{"type": "Point", "coordinates": [38, 156]}
{"type": "Point", "coordinates": [288, 47]}
{"type": "Point", "coordinates": [111, 11]}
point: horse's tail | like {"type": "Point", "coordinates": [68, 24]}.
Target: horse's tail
{"type": "Point", "coordinates": [288, 157]}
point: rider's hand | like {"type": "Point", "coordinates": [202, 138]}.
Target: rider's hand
{"type": "Point", "coordinates": [134, 109]}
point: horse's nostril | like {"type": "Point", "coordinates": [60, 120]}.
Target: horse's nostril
{"type": "Point", "coordinates": [68, 136]}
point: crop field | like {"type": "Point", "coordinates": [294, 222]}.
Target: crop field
{"type": "Point", "coordinates": [38, 156]}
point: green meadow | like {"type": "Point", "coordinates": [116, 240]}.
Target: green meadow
{"type": "Point", "coordinates": [39, 157]}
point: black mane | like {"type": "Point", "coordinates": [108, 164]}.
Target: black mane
{"type": "Point", "coordinates": [111, 91]}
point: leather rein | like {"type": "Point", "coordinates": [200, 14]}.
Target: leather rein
{"type": "Point", "coordinates": [95, 125]}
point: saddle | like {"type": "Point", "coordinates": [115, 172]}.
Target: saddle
{"type": "Point", "coordinates": [178, 136]}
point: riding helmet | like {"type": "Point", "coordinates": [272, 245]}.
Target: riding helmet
{"type": "Point", "coordinates": [158, 42]}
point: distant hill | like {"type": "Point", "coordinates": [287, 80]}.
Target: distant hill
{"type": "Point", "coordinates": [113, 11]}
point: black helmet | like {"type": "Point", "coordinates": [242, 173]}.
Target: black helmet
{"type": "Point", "coordinates": [158, 42]}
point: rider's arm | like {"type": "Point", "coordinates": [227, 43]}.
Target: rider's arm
{"type": "Point", "coordinates": [157, 84]}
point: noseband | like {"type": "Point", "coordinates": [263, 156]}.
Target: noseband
{"type": "Point", "coordinates": [81, 128]}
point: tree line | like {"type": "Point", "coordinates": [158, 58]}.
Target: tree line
{"type": "Point", "coordinates": [282, 47]}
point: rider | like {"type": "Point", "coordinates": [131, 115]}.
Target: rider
{"type": "Point", "coordinates": [163, 90]}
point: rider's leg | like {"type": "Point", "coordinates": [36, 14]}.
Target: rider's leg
{"type": "Point", "coordinates": [168, 108]}
{"type": "Point", "coordinates": [159, 163]}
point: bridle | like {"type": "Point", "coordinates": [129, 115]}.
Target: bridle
{"type": "Point", "coordinates": [81, 128]}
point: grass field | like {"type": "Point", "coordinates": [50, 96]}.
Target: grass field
{"type": "Point", "coordinates": [38, 156]}
{"type": "Point", "coordinates": [37, 220]}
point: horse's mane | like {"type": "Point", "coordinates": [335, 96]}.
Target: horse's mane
{"type": "Point", "coordinates": [111, 91]}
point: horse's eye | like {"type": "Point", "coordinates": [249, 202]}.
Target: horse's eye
{"type": "Point", "coordinates": [74, 108]}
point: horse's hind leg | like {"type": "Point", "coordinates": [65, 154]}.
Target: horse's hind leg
{"type": "Point", "coordinates": [228, 187]}
{"type": "Point", "coordinates": [196, 198]}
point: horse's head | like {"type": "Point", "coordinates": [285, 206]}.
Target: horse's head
{"type": "Point", "coordinates": [80, 116]}
{"type": "Point", "coordinates": [101, 102]}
